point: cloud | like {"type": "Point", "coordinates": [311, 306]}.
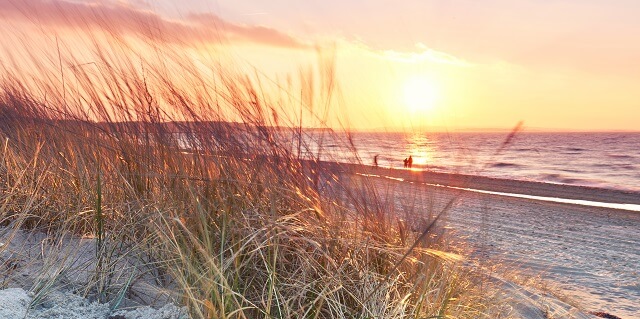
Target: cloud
{"type": "Point", "coordinates": [428, 55]}
{"type": "Point", "coordinates": [120, 18]}
{"type": "Point", "coordinates": [422, 54]}
{"type": "Point", "coordinates": [246, 32]}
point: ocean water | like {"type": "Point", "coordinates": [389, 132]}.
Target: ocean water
{"type": "Point", "coordinates": [607, 160]}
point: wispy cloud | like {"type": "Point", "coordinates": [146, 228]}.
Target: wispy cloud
{"type": "Point", "coordinates": [119, 17]}
{"type": "Point", "coordinates": [234, 31]}
{"type": "Point", "coordinates": [424, 54]}
{"type": "Point", "coordinates": [421, 54]}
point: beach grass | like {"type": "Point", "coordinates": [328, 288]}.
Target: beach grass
{"type": "Point", "coordinates": [190, 178]}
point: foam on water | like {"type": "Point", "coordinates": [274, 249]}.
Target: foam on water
{"type": "Point", "coordinates": [629, 207]}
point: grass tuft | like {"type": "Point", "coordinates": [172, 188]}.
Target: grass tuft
{"type": "Point", "coordinates": [191, 178]}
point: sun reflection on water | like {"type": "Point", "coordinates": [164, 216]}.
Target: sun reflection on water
{"type": "Point", "coordinates": [421, 150]}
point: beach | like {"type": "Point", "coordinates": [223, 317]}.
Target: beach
{"type": "Point", "coordinates": [585, 255]}
{"type": "Point", "coordinates": [549, 259]}
{"type": "Point", "coordinates": [335, 159]}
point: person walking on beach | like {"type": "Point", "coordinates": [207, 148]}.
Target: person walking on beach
{"type": "Point", "coordinates": [406, 162]}
{"type": "Point", "coordinates": [410, 161]}
{"type": "Point", "coordinates": [375, 160]}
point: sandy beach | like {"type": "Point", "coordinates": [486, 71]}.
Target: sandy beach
{"type": "Point", "coordinates": [550, 260]}
{"type": "Point", "coordinates": [588, 256]}
{"type": "Point", "coordinates": [335, 159]}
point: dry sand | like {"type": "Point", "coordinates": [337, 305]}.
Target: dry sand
{"type": "Point", "coordinates": [55, 271]}
{"type": "Point", "coordinates": [591, 255]}
{"type": "Point", "coordinates": [16, 303]}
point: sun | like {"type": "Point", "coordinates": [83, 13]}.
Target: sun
{"type": "Point", "coordinates": [420, 95]}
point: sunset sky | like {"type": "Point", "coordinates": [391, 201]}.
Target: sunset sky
{"type": "Point", "coordinates": [457, 64]}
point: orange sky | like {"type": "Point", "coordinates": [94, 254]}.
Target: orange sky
{"type": "Point", "coordinates": [556, 65]}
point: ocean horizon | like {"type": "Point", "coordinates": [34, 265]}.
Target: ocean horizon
{"type": "Point", "coordinates": [593, 159]}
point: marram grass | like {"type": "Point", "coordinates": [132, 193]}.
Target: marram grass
{"type": "Point", "coordinates": [207, 184]}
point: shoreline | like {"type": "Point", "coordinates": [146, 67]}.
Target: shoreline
{"type": "Point", "coordinates": [584, 253]}
{"type": "Point", "coordinates": [494, 184]}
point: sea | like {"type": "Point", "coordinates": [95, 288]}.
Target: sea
{"type": "Point", "coordinates": [603, 160]}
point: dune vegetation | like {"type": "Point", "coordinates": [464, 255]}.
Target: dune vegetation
{"type": "Point", "coordinates": [192, 178]}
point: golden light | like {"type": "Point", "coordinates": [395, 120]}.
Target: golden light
{"type": "Point", "coordinates": [420, 94]}
{"type": "Point", "coordinates": [421, 150]}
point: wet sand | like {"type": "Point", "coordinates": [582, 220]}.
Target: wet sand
{"type": "Point", "coordinates": [590, 254]}
{"type": "Point", "coordinates": [499, 184]}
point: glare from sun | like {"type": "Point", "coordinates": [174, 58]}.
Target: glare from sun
{"type": "Point", "coordinates": [420, 95]}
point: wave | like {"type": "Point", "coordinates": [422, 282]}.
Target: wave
{"type": "Point", "coordinates": [613, 139]}
{"type": "Point", "coordinates": [565, 180]}
{"type": "Point", "coordinates": [568, 170]}
{"type": "Point", "coordinates": [504, 164]}
{"type": "Point", "coordinates": [614, 167]}
{"type": "Point", "coordinates": [620, 156]}
{"type": "Point", "coordinates": [561, 179]}
{"type": "Point", "coordinates": [624, 167]}
{"type": "Point", "coordinates": [432, 167]}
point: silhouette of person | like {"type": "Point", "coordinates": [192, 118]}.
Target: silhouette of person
{"type": "Point", "coordinates": [375, 160]}
{"type": "Point", "coordinates": [406, 163]}
{"type": "Point", "coordinates": [410, 161]}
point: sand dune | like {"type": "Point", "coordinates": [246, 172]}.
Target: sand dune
{"type": "Point", "coordinates": [587, 256]}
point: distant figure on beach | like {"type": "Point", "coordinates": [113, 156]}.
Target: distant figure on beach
{"type": "Point", "coordinates": [410, 161]}
{"type": "Point", "coordinates": [406, 162]}
{"type": "Point", "coordinates": [375, 160]}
